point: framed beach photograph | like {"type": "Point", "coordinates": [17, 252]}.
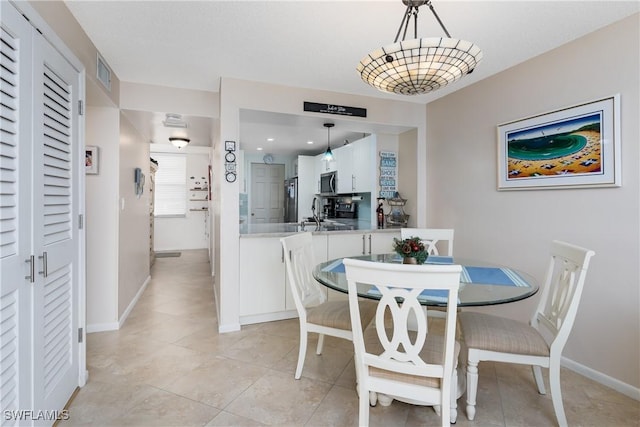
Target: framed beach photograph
{"type": "Point", "coordinates": [91, 160]}
{"type": "Point", "coordinates": [573, 147]}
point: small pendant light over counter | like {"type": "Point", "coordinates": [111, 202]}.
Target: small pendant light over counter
{"type": "Point", "coordinates": [328, 155]}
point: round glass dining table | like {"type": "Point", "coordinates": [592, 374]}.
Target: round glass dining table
{"type": "Point", "coordinates": [481, 283]}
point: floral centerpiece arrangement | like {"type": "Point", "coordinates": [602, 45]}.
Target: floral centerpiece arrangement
{"type": "Point", "coordinates": [411, 248]}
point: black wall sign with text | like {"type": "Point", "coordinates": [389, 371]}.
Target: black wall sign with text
{"type": "Point", "coordinates": [314, 107]}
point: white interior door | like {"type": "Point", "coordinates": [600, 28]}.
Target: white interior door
{"type": "Point", "coordinates": [15, 212]}
{"type": "Point", "coordinates": [267, 193]}
{"type": "Point", "coordinates": [55, 178]}
{"type": "Point", "coordinates": [40, 181]}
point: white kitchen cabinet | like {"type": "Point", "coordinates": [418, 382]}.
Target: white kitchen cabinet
{"type": "Point", "coordinates": [353, 244]}
{"type": "Point", "coordinates": [344, 169]}
{"type": "Point", "coordinates": [355, 165]}
{"type": "Point", "coordinates": [363, 165]}
{"type": "Point", "coordinates": [365, 243]}
{"type": "Point", "coordinates": [262, 276]}
{"type": "Point", "coordinates": [264, 289]}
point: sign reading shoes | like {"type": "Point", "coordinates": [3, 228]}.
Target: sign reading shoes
{"type": "Point", "coordinates": [341, 110]}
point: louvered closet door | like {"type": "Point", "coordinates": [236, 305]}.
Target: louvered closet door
{"type": "Point", "coordinates": [55, 231]}
{"type": "Point", "coordinates": [15, 214]}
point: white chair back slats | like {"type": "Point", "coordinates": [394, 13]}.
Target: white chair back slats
{"type": "Point", "coordinates": [403, 359]}
{"type": "Point", "coordinates": [430, 237]}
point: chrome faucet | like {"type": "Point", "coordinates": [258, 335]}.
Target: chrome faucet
{"type": "Point", "coordinates": [313, 211]}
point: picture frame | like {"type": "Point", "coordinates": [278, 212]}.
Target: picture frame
{"type": "Point", "coordinates": [229, 146]}
{"type": "Point", "coordinates": [573, 147]}
{"type": "Point", "coordinates": [91, 159]}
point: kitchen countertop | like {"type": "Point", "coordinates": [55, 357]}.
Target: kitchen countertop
{"type": "Point", "coordinates": [332, 226]}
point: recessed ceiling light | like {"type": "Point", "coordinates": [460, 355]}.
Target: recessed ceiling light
{"type": "Point", "coordinates": [259, 148]}
{"type": "Point", "coordinates": [309, 142]}
{"type": "Point", "coordinates": [270, 139]}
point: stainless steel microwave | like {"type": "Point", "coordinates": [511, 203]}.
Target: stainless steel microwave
{"type": "Point", "coordinates": [328, 183]}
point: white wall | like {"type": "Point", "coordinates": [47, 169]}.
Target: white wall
{"type": "Point", "coordinates": [102, 220]}
{"type": "Point", "coordinates": [236, 95]}
{"type": "Point", "coordinates": [101, 130]}
{"type": "Point", "coordinates": [515, 227]}
{"type": "Point", "coordinates": [189, 232]}
{"type": "Point", "coordinates": [133, 253]}
{"type": "Point", "coordinates": [192, 230]}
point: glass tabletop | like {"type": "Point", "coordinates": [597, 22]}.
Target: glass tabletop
{"type": "Point", "coordinates": [481, 283]}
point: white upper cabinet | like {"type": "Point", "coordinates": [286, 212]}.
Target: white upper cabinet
{"type": "Point", "coordinates": [354, 164]}
{"type": "Point", "coordinates": [364, 164]}
{"type": "Point", "coordinates": [357, 166]}
{"type": "Point", "coordinates": [344, 160]}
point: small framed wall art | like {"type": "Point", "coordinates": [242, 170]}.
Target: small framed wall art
{"type": "Point", "coordinates": [573, 147]}
{"type": "Point", "coordinates": [91, 159]}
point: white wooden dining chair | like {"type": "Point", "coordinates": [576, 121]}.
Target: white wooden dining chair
{"type": "Point", "coordinates": [316, 314]}
{"type": "Point", "coordinates": [539, 343]}
{"type": "Point", "coordinates": [430, 237]}
{"type": "Point", "coordinates": [408, 364]}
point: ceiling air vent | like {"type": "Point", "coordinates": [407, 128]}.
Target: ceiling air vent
{"type": "Point", "coordinates": [104, 73]}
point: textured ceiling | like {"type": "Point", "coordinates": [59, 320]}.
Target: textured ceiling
{"type": "Point", "coordinates": [317, 44]}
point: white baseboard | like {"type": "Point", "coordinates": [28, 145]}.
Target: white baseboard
{"type": "Point", "coordinates": [133, 302]}
{"type": "Point", "coordinates": [268, 317]}
{"type": "Point", "coordinates": [222, 329]}
{"type": "Point", "coordinates": [114, 326]}
{"type": "Point", "coordinates": [599, 377]}
{"type": "Point", "coordinates": [102, 327]}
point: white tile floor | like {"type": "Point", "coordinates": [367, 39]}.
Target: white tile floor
{"type": "Point", "coordinates": [168, 366]}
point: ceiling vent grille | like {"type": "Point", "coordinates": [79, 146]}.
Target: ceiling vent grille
{"type": "Point", "coordinates": [104, 73]}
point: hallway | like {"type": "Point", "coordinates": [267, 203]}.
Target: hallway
{"type": "Point", "coordinates": [168, 366]}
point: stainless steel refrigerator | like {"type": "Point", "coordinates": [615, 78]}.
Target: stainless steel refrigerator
{"type": "Point", "coordinates": [291, 200]}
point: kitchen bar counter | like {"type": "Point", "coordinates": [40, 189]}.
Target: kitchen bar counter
{"type": "Point", "coordinates": [326, 227]}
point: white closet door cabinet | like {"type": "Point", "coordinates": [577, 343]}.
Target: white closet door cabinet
{"type": "Point", "coordinates": [55, 197]}
{"type": "Point", "coordinates": [15, 211]}
{"type": "Point", "coordinates": [40, 171]}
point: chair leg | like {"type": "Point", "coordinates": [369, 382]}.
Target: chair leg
{"type": "Point", "coordinates": [363, 407]}
{"type": "Point", "coordinates": [320, 343]}
{"type": "Point", "coordinates": [302, 352]}
{"type": "Point", "coordinates": [537, 374]}
{"type": "Point", "coordinates": [556, 392]}
{"type": "Point", "coordinates": [472, 388]}
{"type": "Point", "coordinates": [453, 415]}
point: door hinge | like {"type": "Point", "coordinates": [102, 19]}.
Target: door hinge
{"type": "Point", "coordinates": [80, 335]}
{"type": "Point", "coordinates": [80, 221]}
{"type": "Point", "coordinates": [81, 108]}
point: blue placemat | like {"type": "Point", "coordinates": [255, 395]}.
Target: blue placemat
{"type": "Point", "coordinates": [335, 267]}
{"type": "Point", "coordinates": [471, 274]}
{"type": "Point", "coordinates": [432, 259]}
{"type": "Point", "coordinates": [492, 276]}
{"type": "Point", "coordinates": [437, 259]}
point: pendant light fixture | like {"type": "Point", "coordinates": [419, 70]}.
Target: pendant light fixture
{"type": "Point", "coordinates": [418, 66]}
{"type": "Point", "coordinates": [328, 155]}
